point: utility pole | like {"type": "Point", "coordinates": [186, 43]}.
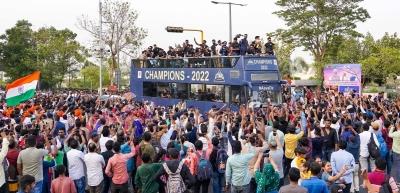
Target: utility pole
{"type": "Point", "coordinates": [101, 50]}
{"type": "Point", "coordinates": [230, 14]}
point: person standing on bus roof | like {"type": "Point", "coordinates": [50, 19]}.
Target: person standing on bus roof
{"type": "Point", "coordinates": [243, 45]}
{"type": "Point", "coordinates": [269, 47]}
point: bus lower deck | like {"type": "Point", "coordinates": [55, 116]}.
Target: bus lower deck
{"type": "Point", "coordinates": [207, 81]}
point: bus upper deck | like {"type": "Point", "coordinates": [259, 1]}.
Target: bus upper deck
{"type": "Point", "coordinates": [207, 81]}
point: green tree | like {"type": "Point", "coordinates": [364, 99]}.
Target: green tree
{"type": "Point", "coordinates": [283, 52]}
{"type": "Point", "coordinates": [315, 24]}
{"type": "Point", "coordinates": [379, 65]}
{"type": "Point", "coordinates": [18, 53]}
{"type": "Point", "coordinates": [59, 55]}
{"type": "Point", "coordinates": [90, 77]}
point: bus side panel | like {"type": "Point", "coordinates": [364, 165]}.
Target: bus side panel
{"type": "Point", "coordinates": [136, 85]}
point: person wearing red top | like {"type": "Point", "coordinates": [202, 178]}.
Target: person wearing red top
{"type": "Point", "coordinates": [62, 184]}
{"type": "Point", "coordinates": [12, 154]}
{"type": "Point", "coordinates": [378, 176]}
{"type": "Point", "coordinates": [116, 168]}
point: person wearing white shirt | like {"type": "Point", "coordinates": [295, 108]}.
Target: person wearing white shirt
{"type": "Point", "coordinates": [104, 138]}
{"type": "Point", "coordinates": [76, 166]}
{"type": "Point", "coordinates": [95, 164]}
{"type": "Point", "coordinates": [3, 153]}
{"type": "Point", "coordinates": [365, 138]}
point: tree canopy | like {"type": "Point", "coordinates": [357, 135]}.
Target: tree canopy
{"type": "Point", "coordinates": [54, 52]}
{"type": "Point", "coordinates": [315, 24]}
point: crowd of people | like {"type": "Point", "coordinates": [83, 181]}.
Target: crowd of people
{"type": "Point", "coordinates": [239, 46]}
{"type": "Point", "coordinates": [75, 142]}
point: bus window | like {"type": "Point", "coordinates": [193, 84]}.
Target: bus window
{"type": "Point", "coordinates": [268, 96]}
{"type": "Point", "coordinates": [180, 90]}
{"type": "Point", "coordinates": [150, 89]}
{"type": "Point", "coordinates": [202, 92]}
{"type": "Point", "coordinates": [215, 93]}
{"type": "Point", "coordinates": [235, 96]}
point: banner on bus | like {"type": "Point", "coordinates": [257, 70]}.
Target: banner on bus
{"type": "Point", "coordinates": [344, 77]}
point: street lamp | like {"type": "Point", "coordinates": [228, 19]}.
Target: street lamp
{"type": "Point", "coordinates": [230, 14]}
{"type": "Point", "coordinates": [172, 29]}
{"type": "Point", "coordinates": [101, 50]}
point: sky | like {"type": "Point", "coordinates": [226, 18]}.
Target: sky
{"type": "Point", "coordinates": [256, 18]}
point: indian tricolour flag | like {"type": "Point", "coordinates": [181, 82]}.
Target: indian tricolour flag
{"type": "Point", "coordinates": [22, 89]}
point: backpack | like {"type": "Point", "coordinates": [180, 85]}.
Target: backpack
{"type": "Point", "coordinates": [175, 182]}
{"type": "Point", "coordinates": [373, 149]}
{"type": "Point", "coordinates": [222, 157]}
{"type": "Point", "coordinates": [383, 149]}
{"type": "Point", "coordinates": [204, 169]}
{"type": "Point", "coordinates": [385, 187]}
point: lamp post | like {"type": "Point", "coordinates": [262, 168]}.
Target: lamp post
{"type": "Point", "coordinates": [101, 51]}
{"type": "Point", "coordinates": [230, 14]}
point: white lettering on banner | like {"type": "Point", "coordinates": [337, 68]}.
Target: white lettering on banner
{"type": "Point", "coordinates": [199, 76]}
{"type": "Point", "coordinates": [257, 61]}
{"type": "Point", "coordinates": [266, 88]}
{"type": "Point", "coordinates": [164, 75]}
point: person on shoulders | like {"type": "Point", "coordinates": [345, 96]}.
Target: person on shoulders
{"type": "Point", "coordinates": [314, 184]}
{"type": "Point", "coordinates": [293, 186]}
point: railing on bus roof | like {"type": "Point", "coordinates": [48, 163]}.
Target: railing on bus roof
{"type": "Point", "coordinates": [188, 62]}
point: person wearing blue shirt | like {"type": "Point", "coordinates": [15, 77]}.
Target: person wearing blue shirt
{"type": "Point", "coordinates": [243, 45]}
{"type": "Point", "coordinates": [353, 147]}
{"type": "Point", "coordinates": [314, 184]}
{"type": "Point", "coordinates": [343, 159]}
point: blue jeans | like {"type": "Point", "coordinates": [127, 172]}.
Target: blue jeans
{"type": "Point", "coordinates": [80, 185]}
{"type": "Point", "coordinates": [327, 154]}
{"type": "Point", "coordinates": [217, 182]}
{"type": "Point", "coordinates": [396, 167]}
{"type": "Point", "coordinates": [38, 187]}
{"type": "Point", "coordinates": [389, 161]}
{"type": "Point", "coordinates": [240, 189]}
